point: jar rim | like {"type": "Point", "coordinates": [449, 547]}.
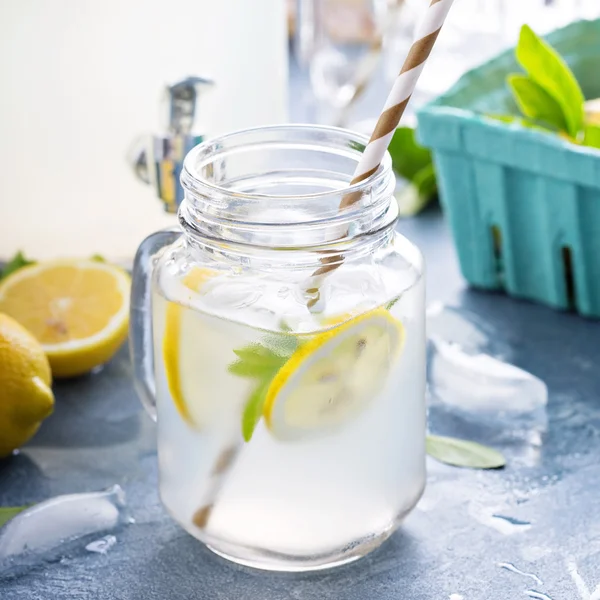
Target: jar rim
{"type": "Point", "coordinates": [192, 180]}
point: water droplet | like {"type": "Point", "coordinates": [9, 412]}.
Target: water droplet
{"type": "Point", "coordinates": [537, 595]}
{"type": "Point", "coordinates": [582, 587]}
{"type": "Point", "coordinates": [103, 545]}
{"type": "Point", "coordinates": [508, 525]}
{"type": "Point", "coordinates": [513, 569]}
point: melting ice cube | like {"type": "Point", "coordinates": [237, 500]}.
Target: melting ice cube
{"type": "Point", "coordinates": [481, 383]}
{"type": "Point", "coordinates": [63, 518]}
{"type": "Point", "coordinates": [476, 394]}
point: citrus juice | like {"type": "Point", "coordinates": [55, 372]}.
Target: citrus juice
{"type": "Point", "coordinates": [287, 442]}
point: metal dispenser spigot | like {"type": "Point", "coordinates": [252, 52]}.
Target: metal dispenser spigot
{"type": "Point", "coordinates": [158, 159]}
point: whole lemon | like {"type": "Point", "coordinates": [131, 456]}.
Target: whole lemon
{"type": "Point", "coordinates": [26, 398]}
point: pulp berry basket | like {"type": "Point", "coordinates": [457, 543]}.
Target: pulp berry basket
{"type": "Point", "coordinates": [523, 205]}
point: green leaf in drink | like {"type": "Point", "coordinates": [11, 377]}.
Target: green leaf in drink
{"type": "Point", "coordinates": [254, 409]}
{"type": "Point", "coordinates": [260, 363]}
{"type": "Point", "coordinates": [462, 453]}
{"type": "Point", "coordinates": [536, 103]}
{"type": "Point", "coordinates": [546, 68]}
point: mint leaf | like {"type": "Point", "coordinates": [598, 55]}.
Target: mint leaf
{"type": "Point", "coordinates": [18, 261]}
{"type": "Point", "coordinates": [462, 453]}
{"type": "Point", "coordinates": [391, 304]}
{"type": "Point", "coordinates": [260, 362]}
{"type": "Point", "coordinates": [546, 67]}
{"type": "Point", "coordinates": [591, 136]}
{"type": "Point", "coordinates": [8, 512]}
{"type": "Point", "coordinates": [254, 409]}
{"type": "Point", "coordinates": [535, 102]}
{"type": "Point", "coordinates": [255, 370]}
{"type": "Point", "coordinates": [408, 157]}
{"type": "Point", "coordinates": [258, 356]}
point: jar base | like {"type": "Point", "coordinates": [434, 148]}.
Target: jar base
{"type": "Point", "coordinates": [274, 561]}
{"type": "Point", "coordinates": [269, 560]}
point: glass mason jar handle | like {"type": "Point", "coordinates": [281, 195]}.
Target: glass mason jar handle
{"type": "Point", "coordinates": [140, 316]}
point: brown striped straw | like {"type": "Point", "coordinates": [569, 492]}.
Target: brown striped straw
{"type": "Point", "coordinates": [403, 87]}
{"type": "Point", "coordinates": [402, 90]}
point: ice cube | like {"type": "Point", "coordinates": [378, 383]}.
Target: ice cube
{"type": "Point", "coordinates": [61, 519]}
{"type": "Point", "coordinates": [459, 327]}
{"type": "Point", "coordinates": [473, 392]}
{"type": "Point", "coordinates": [481, 383]}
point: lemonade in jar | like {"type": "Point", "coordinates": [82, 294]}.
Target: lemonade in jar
{"type": "Point", "coordinates": [279, 341]}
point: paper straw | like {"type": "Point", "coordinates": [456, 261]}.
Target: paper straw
{"type": "Point", "coordinates": [403, 87]}
{"type": "Point", "coordinates": [427, 32]}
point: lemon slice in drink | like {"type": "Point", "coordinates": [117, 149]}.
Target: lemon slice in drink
{"type": "Point", "coordinates": [187, 345]}
{"type": "Point", "coordinates": [333, 377]}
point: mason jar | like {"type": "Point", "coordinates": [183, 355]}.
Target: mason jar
{"type": "Point", "coordinates": [278, 339]}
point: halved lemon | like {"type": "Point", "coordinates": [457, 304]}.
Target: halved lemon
{"type": "Point", "coordinates": [77, 309]}
{"type": "Point", "coordinates": [188, 344]}
{"type": "Point", "coordinates": [333, 377]}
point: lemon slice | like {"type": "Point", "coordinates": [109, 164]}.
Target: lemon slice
{"type": "Point", "coordinates": [77, 309]}
{"type": "Point", "coordinates": [189, 343]}
{"type": "Point", "coordinates": [333, 377]}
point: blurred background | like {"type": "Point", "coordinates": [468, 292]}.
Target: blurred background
{"type": "Point", "coordinates": [101, 99]}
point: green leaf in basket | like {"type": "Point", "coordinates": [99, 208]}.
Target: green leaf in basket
{"type": "Point", "coordinates": [462, 453]}
{"type": "Point", "coordinates": [408, 157]}
{"type": "Point", "coordinates": [536, 103]}
{"type": "Point", "coordinates": [8, 512]}
{"type": "Point", "coordinates": [546, 67]}
{"type": "Point", "coordinates": [513, 120]}
{"type": "Point", "coordinates": [591, 136]}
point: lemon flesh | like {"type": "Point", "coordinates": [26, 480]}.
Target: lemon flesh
{"type": "Point", "coordinates": [189, 345]}
{"type": "Point", "coordinates": [25, 394]}
{"type": "Point", "coordinates": [333, 377]}
{"type": "Point", "coordinates": [77, 309]}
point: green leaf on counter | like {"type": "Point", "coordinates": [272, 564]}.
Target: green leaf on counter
{"type": "Point", "coordinates": [535, 102]}
{"type": "Point", "coordinates": [8, 512]}
{"type": "Point", "coordinates": [408, 157]}
{"type": "Point", "coordinates": [591, 136]}
{"type": "Point", "coordinates": [462, 453]}
{"type": "Point", "coordinates": [98, 258]}
{"type": "Point", "coordinates": [18, 261]}
{"type": "Point", "coordinates": [547, 68]}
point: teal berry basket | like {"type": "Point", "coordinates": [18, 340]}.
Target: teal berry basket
{"type": "Point", "coordinates": [523, 205]}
